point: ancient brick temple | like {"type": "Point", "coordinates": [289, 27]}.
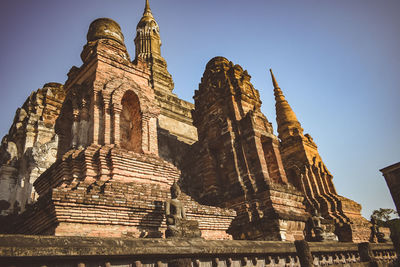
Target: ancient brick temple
{"type": "Point", "coordinates": [103, 150]}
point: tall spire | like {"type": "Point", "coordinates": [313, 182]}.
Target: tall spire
{"type": "Point", "coordinates": [273, 79]}
{"type": "Point", "coordinates": [148, 49]}
{"type": "Point", "coordinates": [147, 10]}
{"type": "Point", "coordinates": [285, 117]}
{"type": "Point", "coordinates": [147, 39]}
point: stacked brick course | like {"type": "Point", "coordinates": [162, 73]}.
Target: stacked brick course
{"type": "Point", "coordinates": [29, 251]}
{"type": "Point", "coordinates": [116, 209]}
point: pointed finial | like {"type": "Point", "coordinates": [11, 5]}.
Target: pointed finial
{"type": "Point", "coordinates": [273, 79]}
{"type": "Point", "coordinates": [147, 10]}
{"type": "Point", "coordinates": [285, 117]}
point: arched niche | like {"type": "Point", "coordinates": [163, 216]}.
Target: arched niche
{"type": "Point", "coordinates": [64, 128]}
{"type": "Point", "coordinates": [130, 122]}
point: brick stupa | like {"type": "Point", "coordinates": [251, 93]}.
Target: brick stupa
{"type": "Point", "coordinates": [108, 179]}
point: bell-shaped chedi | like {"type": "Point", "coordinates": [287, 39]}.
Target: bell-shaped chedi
{"type": "Point", "coordinates": [238, 164]}
{"type": "Point", "coordinates": [306, 170]}
{"type": "Point", "coordinates": [108, 179]}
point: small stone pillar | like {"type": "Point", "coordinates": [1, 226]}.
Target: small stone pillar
{"type": "Point", "coordinates": [304, 253]}
{"type": "Point", "coordinates": [184, 262]}
{"type": "Point", "coordinates": [365, 251]}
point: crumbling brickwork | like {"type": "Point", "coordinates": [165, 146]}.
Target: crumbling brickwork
{"type": "Point", "coordinates": [29, 148]}
{"type": "Point", "coordinates": [238, 164]}
{"type": "Point", "coordinates": [130, 203]}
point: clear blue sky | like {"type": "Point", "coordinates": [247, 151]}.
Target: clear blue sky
{"type": "Point", "coordinates": [338, 64]}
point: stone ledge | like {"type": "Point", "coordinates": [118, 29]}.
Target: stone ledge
{"type": "Point", "coordinates": [25, 250]}
{"type": "Point", "coordinates": [33, 246]}
{"type": "Point", "coordinates": [53, 246]}
{"type": "Point", "coordinates": [333, 246]}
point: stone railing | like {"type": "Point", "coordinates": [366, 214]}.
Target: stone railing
{"type": "Point", "coordinates": [21, 250]}
{"type": "Point", "coordinates": [325, 254]}
{"type": "Point", "coordinates": [383, 253]}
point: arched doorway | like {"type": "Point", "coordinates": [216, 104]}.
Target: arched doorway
{"type": "Point", "coordinates": [131, 123]}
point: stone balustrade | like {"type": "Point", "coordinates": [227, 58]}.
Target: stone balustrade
{"type": "Point", "coordinates": [24, 250]}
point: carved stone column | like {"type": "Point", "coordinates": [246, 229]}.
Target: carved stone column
{"type": "Point", "coordinates": [75, 128]}
{"type": "Point", "coordinates": [152, 133]}
{"type": "Point", "coordinates": [107, 121]}
{"type": "Point", "coordinates": [98, 118]}
{"type": "Point", "coordinates": [84, 124]}
{"type": "Point", "coordinates": [116, 124]}
{"type": "Point", "coordinates": [145, 134]}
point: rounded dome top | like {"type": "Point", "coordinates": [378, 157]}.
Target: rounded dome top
{"type": "Point", "coordinates": [105, 28]}
{"type": "Point", "coordinates": [217, 62]}
{"type": "Point", "coordinates": [148, 23]}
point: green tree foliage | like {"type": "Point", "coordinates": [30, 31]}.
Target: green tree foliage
{"type": "Point", "coordinates": [382, 216]}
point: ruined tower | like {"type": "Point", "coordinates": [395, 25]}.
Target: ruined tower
{"type": "Point", "coordinates": [29, 148]}
{"type": "Point", "coordinates": [306, 170]}
{"type": "Point", "coordinates": [239, 164]}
